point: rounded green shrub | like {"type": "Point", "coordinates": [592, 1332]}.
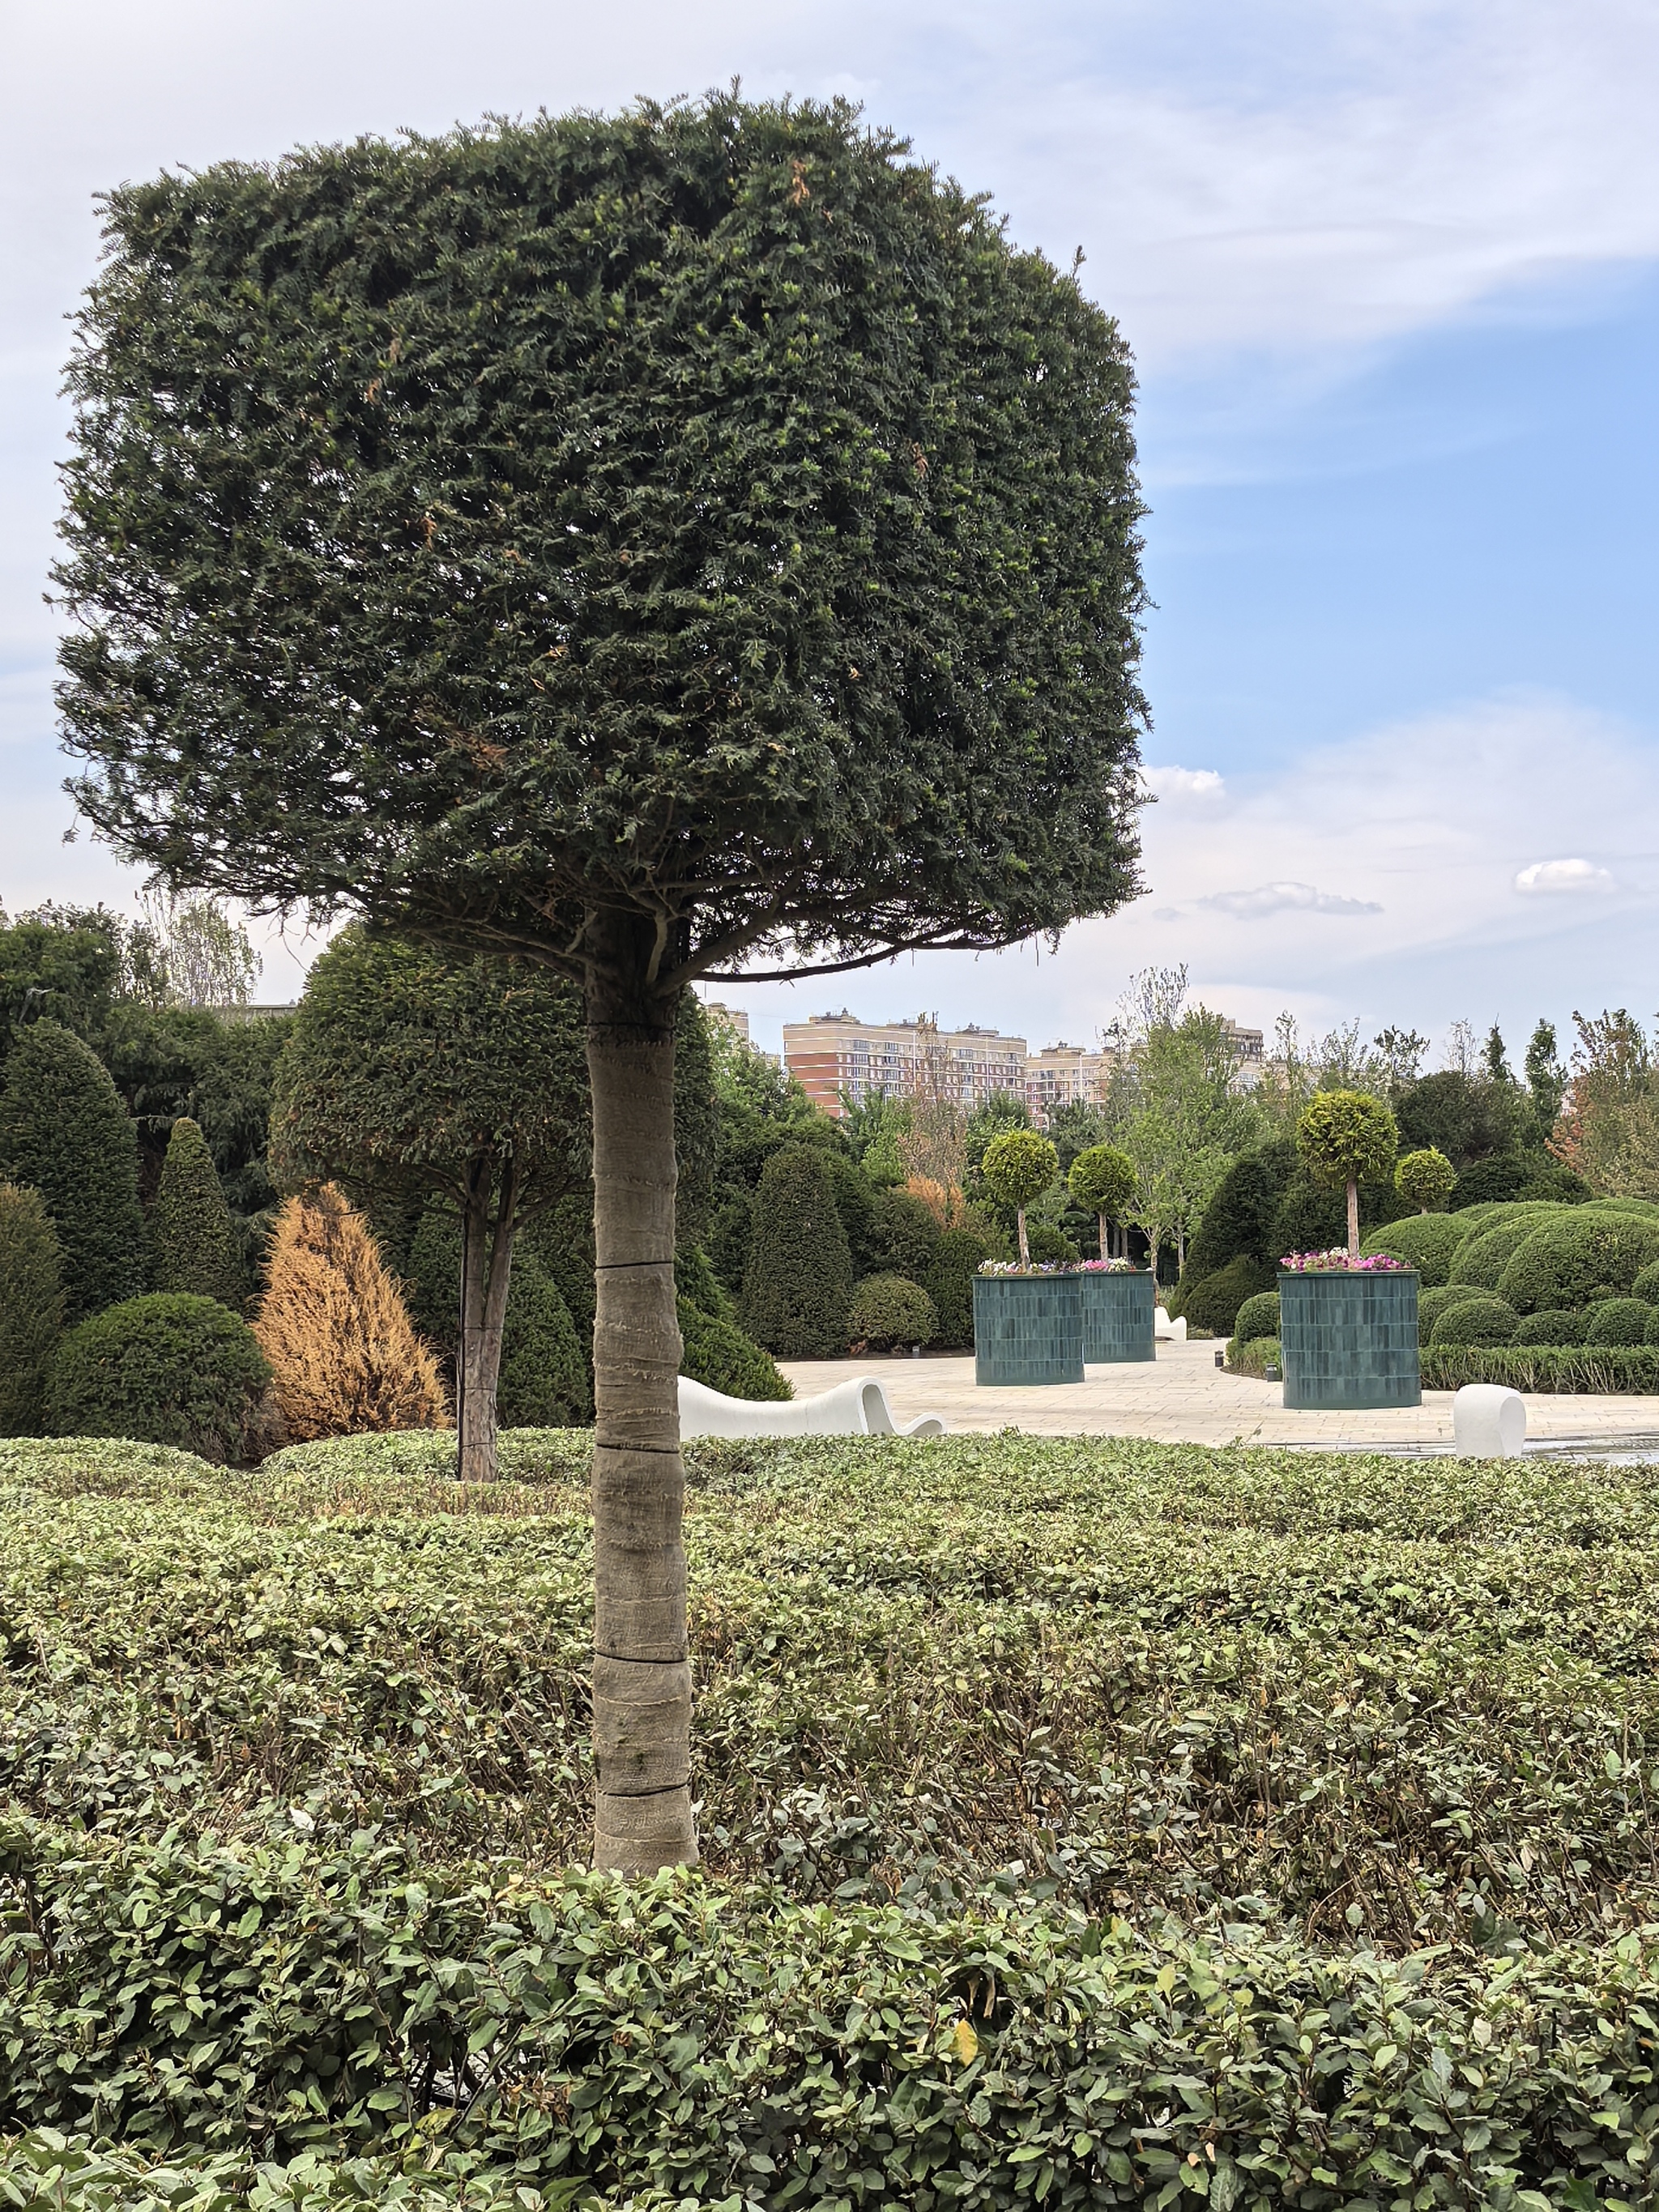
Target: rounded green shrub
{"type": "Point", "coordinates": [1652, 1335]}
{"type": "Point", "coordinates": [716, 1353]}
{"type": "Point", "coordinates": [1045, 1240]}
{"type": "Point", "coordinates": [1427, 1241]}
{"type": "Point", "coordinates": [195, 1239]}
{"type": "Point", "coordinates": [798, 1284]}
{"type": "Point", "coordinates": [31, 1308]}
{"type": "Point", "coordinates": [1430, 1304]}
{"type": "Point", "coordinates": [905, 1234]}
{"type": "Point", "coordinates": [1481, 1318]}
{"type": "Point", "coordinates": [1617, 1320]}
{"type": "Point", "coordinates": [1257, 1317]}
{"type": "Point", "coordinates": [695, 1280]}
{"type": "Point", "coordinates": [64, 1132]}
{"type": "Point", "coordinates": [1426, 1179]}
{"type": "Point", "coordinates": [1646, 1285]}
{"type": "Point", "coordinates": [1101, 1182]}
{"type": "Point", "coordinates": [950, 1281]}
{"type": "Point", "coordinates": [1486, 1252]}
{"type": "Point", "coordinates": [1577, 1257]}
{"type": "Point", "coordinates": [1552, 1326]}
{"type": "Point", "coordinates": [170, 1367]}
{"type": "Point", "coordinates": [1346, 1136]}
{"type": "Point", "coordinates": [1214, 1301]}
{"type": "Point", "coordinates": [889, 1312]}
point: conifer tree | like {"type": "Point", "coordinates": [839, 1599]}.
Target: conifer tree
{"type": "Point", "coordinates": [344, 1355]}
{"type": "Point", "coordinates": [798, 1285]}
{"type": "Point", "coordinates": [31, 1308]}
{"type": "Point", "coordinates": [190, 1223]}
{"type": "Point", "coordinates": [64, 1131]}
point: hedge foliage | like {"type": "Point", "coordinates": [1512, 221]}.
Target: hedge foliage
{"type": "Point", "coordinates": [1580, 1257]}
{"type": "Point", "coordinates": [1614, 1371]}
{"type": "Point", "coordinates": [65, 1133]}
{"type": "Point", "coordinates": [716, 1353]}
{"type": "Point", "coordinates": [1258, 1317]}
{"type": "Point", "coordinates": [798, 1280]}
{"type": "Point", "coordinates": [1474, 1317]}
{"type": "Point", "coordinates": [1427, 1241]}
{"type": "Point", "coordinates": [1073, 1810]}
{"type": "Point", "coordinates": [189, 1223]}
{"type": "Point", "coordinates": [891, 1312]}
{"type": "Point", "coordinates": [169, 1368]}
{"type": "Point", "coordinates": [31, 1308]}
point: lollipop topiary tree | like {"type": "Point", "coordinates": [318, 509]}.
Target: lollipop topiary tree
{"type": "Point", "coordinates": [1347, 1137]}
{"type": "Point", "coordinates": [1102, 1181]}
{"type": "Point", "coordinates": [690, 544]}
{"type": "Point", "coordinates": [1426, 1180]}
{"type": "Point", "coordinates": [1019, 1165]}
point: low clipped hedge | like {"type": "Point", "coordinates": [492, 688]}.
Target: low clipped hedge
{"type": "Point", "coordinates": [170, 1367]}
{"type": "Point", "coordinates": [1621, 1371]}
{"type": "Point", "coordinates": [1480, 1318]}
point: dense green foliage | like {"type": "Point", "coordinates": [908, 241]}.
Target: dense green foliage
{"type": "Point", "coordinates": [1478, 1318]}
{"type": "Point", "coordinates": [170, 1367]}
{"type": "Point", "coordinates": [1018, 1165]}
{"type": "Point", "coordinates": [890, 1312]}
{"type": "Point", "coordinates": [1578, 1257]}
{"type": "Point", "coordinates": [1213, 1301]}
{"type": "Point", "coordinates": [1240, 1216]}
{"type": "Point", "coordinates": [949, 1282]}
{"type": "Point", "coordinates": [1257, 1317]}
{"type": "Point", "coordinates": [1551, 1325]}
{"type": "Point", "coordinates": [1429, 1243]}
{"type": "Point", "coordinates": [1573, 1369]}
{"type": "Point", "coordinates": [31, 1308]}
{"type": "Point", "coordinates": [194, 1241]}
{"type": "Point", "coordinates": [716, 1352]}
{"type": "Point", "coordinates": [298, 1762]}
{"type": "Point", "coordinates": [1347, 1137]}
{"type": "Point", "coordinates": [1617, 1321]}
{"type": "Point", "coordinates": [798, 1281]}
{"type": "Point", "coordinates": [63, 1132]}
{"type": "Point", "coordinates": [544, 1381]}
{"type": "Point", "coordinates": [1425, 1178]}
{"type": "Point", "coordinates": [1101, 1180]}
{"type": "Point", "coordinates": [1430, 1304]}
{"type": "Point", "coordinates": [1489, 1247]}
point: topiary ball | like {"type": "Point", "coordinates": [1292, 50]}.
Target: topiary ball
{"type": "Point", "coordinates": [1555, 1325]}
{"type": "Point", "coordinates": [1430, 1304]}
{"type": "Point", "coordinates": [172, 1367]}
{"type": "Point", "coordinates": [1480, 1320]}
{"type": "Point", "coordinates": [1646, 1285]}
{"type": "Point", "coordinates": [1430, 1243]}
{"type": "Point", "coordinates": [891, 1312]}
{"type": "Point", "coordinates": [1258, 1317]}
{"type": "Point", "coordinates": [1617, 1320]}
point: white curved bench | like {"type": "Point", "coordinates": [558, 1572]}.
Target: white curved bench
{"type": "Point", "coordinates": [1488, 1422]}
{"type": "Point", "coordinates": [1166, 1331]}
{"type": "Point", "coordinates": [858, 1408]}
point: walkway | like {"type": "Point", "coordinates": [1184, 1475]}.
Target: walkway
{"type": "Point", "coordinates": [1184, 1398]}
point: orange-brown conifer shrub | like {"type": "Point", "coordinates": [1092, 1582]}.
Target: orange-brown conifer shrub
{"type": "Point", "coordinates": [344, 1352]}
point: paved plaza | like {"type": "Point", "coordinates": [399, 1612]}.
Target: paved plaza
{"type": "Point", "coordinates": [1184, 1398]}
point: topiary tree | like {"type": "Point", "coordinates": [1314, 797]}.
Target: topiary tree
{"type": "Point", "coordinates": [166, 1369]}
{"type": "Point", "coordinates": [31, 1308]}
{"type": "Point", "coordinates": [63, 1132]}
{"type": "Point", "coordinates": [195, 1239]}
{"type": "Point", "coordinates": [1426, 1178]}
{"type": "Point", "coordinates": [1103, 1182]}
{"type": "Point", "coordinates": [784, 618]}
{"type": "Point", "coordinates": [1018, 1166]}
{"type": "Point", "coordinates": [1347, 1137]}
{"type": "Point", "coordinates": [542, 1382]}
{"type": "Point", "coordinates": [799, 1282]}
{"type": "Point", "coordinates": [344, 1355]}
{"type": "Point", "coordinates": [717, 1354]}
{"type": "Point", "coordinates": [414, 1075]}
{"type": "Point", "coordinates": [891, 1312]}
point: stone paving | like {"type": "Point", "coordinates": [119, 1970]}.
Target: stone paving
{"type": "Point", "coordinates": [1184, 1398]}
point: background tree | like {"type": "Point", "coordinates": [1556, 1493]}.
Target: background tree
{"type": "Point", "coordinates": [190, 1226]}
{"type": "Point", "coordinates": [1546, 1082]}
{"type": "Point", "coordinates": [1608, 1127]}
{"type": "Point", "coordinates": [1346, 1138]}
{"type": "Point", "coordinates": [799, 1282]}
{"type": "Point", "coordinates": [1427, 1179]}
{"type": "Point", "coordinates": [783, 619]}
{"type": "Point", "coordinates": [1018, 1166]}
{"type": "Point", "coordinates": [31, 1308]}
{"type": "Point", "coordinates": [414, 1074]}
{"type": "Point", "coordinates": [1103, 1182]}
{"type": "Point", "coordinates": [194, 953]}
{"type": "Point", "coordinates": [63, 1132]}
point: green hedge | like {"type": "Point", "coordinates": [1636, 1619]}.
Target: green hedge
{"type": "Point", "coordinates": [1427, 1241]}
{"type": "Point", "coordinates": [1618, 1321]}
{"type": "Point", "coordinates": [1481, 1259]}
{"type": "Point", "coordinates": [715, 1353]}
{"type": "Point", "coordinates": [1257, 1317]}
{"type": "Point", "coordinates": [1625, 1371]}
{"type": "Point", "coordinates": [1213, 1302]}
{"type": "Point", "coordinates": [1476, 1318]}
{"type": "Point", "coordinates": [1578, 1257]}
{"type": "Point", "coordinates": [170, 1367]}
{"type": "Point", "coordinates": [889, 1312]}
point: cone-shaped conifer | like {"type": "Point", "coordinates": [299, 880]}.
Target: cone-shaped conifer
{"type": "Point", "coordinates": [31, 1308]}
{"type": "Point", "coordinates": [190, 1223]}
{"type": "Point", "coordinates": [64, 1132]}
{"type": "Point", "coordinates": [798, 1285]}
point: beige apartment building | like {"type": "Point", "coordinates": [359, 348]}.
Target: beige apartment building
{"type": "Point", "coordinates": [836, 1058]}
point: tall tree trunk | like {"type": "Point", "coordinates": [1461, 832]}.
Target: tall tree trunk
{"type": "Point", "coordinates": [486, 1277]}
{"type": "Point", "coordinates": [641, 1666]}
{"type": "Point", "coordinates": [1354, 1220]}
{"type": "Point", "coordinates": [1104, 1254]}
{"type": "Point", "coordinates": [1024, 1248]}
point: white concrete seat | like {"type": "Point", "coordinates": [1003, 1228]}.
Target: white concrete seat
{"type": "Point", "coordinates": [1488, 1422]}
{"type": "Point", "coordinates": [1165, 1331]}
{"type": "Point", "coordinates": [858, 1408]}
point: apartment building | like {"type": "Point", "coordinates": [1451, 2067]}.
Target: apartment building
{"type": "Point", "coordinates": [735, 1018]}
{"type": "Point", "coordinates": [1061, 1074]}
{"type": "Point", "coordinates": [836, 1058]}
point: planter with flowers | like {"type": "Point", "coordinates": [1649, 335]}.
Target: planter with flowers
{"type": "Point", "coordinates": [1120, 1306]}
{"type": "Point", "coordinates": [1028, 1323]}
{"type": "Point", "coordinates": [1347, 1331]}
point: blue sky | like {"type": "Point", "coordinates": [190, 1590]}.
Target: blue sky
{"type": "Point", "coordinates": [1391, 272]}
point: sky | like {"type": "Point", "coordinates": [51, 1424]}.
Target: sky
{"type": "Point", "coordinates": [1390, 272]}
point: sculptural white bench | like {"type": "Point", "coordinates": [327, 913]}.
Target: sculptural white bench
{"type": "Point", "coordinates": [1488, 1422]}
{"type": "Point", "coordinates": [858, 1408]}
{"type": "Point", "coordinates": [1166, 1331]}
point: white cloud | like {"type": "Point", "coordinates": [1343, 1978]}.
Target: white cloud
{"type": "Point", "coordinates": [1563, 875]}
{"type": "Point", "coordinates": [1177, 787]}
{"type": "Point", "coordinates": [1284, 898]}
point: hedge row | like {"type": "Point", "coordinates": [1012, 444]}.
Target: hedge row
{"type": "Point", "coordinates": [1612, 1371]}
{"type": "Point", "coordinates": [740, 2048]}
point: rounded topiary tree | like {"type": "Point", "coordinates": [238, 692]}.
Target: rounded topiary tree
{"type": "Point", "coordinates": [889, 1312]}
{"type": "Point", "coordinates": [1346, 1138]}
{"type": "Point", "coordinates": [798, 1284]}
{"type": "Point", "coordinates": [195, 1239]}
{"type": "Point", "coordinates": [31, 1308]}
{"type": "Point", "coordinates": [687, 545]}
{"type": "Point", "coordinates": [65, 1133]}
{"type": "Point", "coordinates": [166, 1369]}
{"type": "Point", "coordinates": [1018, 1166]}
{"type": "Point", "coordinates": [541, 1381]}
{"type": "Point", "coordinates": [1103, 1182]}
{"type": "Point", "coordinates": [1426, 1180]}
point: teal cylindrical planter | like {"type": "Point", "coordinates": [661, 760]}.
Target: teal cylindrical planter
{"type": "Point", "coordinates": [1119, 1312]}
{"type": "Point", "coordinates": [1349, 1341]}
{"type": "Point", "coordinates": [1027, 1328]}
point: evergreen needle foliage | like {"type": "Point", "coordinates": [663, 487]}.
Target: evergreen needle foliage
{"type": "Point", "coordinates": [798, 1284]}
{"type": "Point", "coordinates": [195, 1240]}
{"type": "Point", "coordinates": [169, 1368]}
{"type": "Point", "coordinates": [1427, 1178]}
{"type": "Point", "coordinates": [344, 1353]}
{"type": "Point", "coordinates": [64, 1131]}
{"type": "Point", "coordinates": [31, 1308]}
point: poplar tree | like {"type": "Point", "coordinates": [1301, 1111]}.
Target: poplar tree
{"type": "Point", "coordinates": [694, 543]}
